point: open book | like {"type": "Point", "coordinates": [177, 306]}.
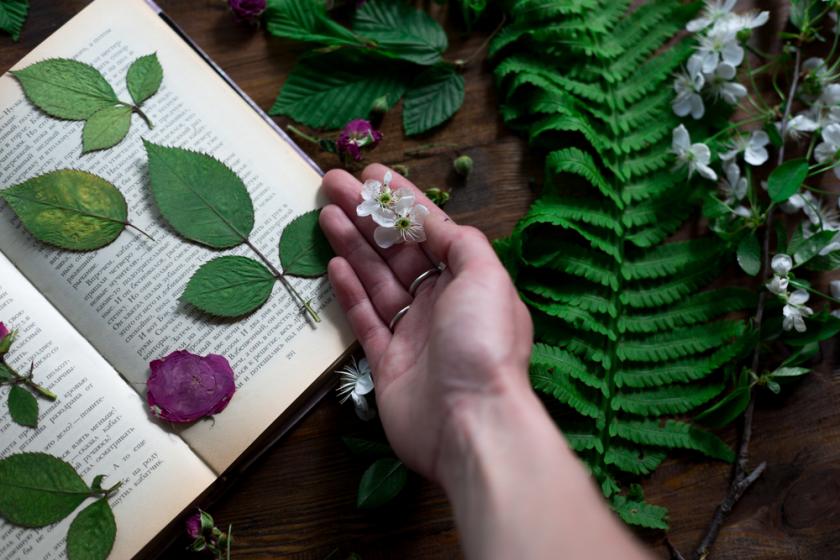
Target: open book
{"type": "Point", "coordinates": [92, 321]}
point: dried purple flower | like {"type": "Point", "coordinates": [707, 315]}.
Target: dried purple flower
{"type": "Point", "coordinates": [194, 525]}
{"type": "Point", "coordinates": [184, 387]}
{"type": "Point", "coordinates": [247, 10]}
{"type": "Point", "coordinates": [6, 339]}
{"type": "Point", "coordinates": [356, 135]}
{"type": "Point", "coordinates": [4, 332]}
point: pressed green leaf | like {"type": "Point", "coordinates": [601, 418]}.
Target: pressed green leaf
{"type": "Point", "coordinates": [37, 489]}
{"type": "Point", "coordinates": [381, 483]}
{"type": "Point", "coordinates": [229, 286]}
{"type": "Point", "coordinates": [401, 30]}
{"type": "Point", "coordinates": [433, 97]}
{"type": "Point", "coordinates": [306, 20]}
{"type": "Point", "coordinates": [144, 78]}
{"type": "Point", "coordinates": [69, 209]}
{"type": "Point", "coordinates": [749, 254]}
{"type": "Point", "coordinates": [199, 196]}
{"type": "Point", "coordinates": [66, 89]}
{"type": "Point", "coordinates": [13, 16]}
{"type": "Point", "coordinates": [92, 533]}
{"type": "Point", "coordinates": [106, 128]}
{"type": "Point", "coordinates": [304, 250]}
{"type": "Point", "coordinates": [329, 89]}
{"type": "Point", "coordinates": [726, 410]}
{"type": "Point", "coordinates": [786, 179]}
{"type": "Point", "coordinates": [23, 407]}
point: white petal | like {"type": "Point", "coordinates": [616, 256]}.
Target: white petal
{"type": "Point", "coordinates": [732, 53]}
{"type": "Point", "coordinates": [366, 208]}
{"type": "Point", "coordinates": [404, 205]}
{"type": "Point", "coordinates": [696, 25]}
{"type": "Point", "coordinates": [732, 92]}
{"type": "Point", "coordinates": [831, 134]}
{"type": "Point", "coordinates": [418, 214]}
{"type": "Point", "coordinates": [706, 171]}
{"type": "Point", "coordinates": [824, 152]}
{"type": "Point", "coordinates": [755, 155]}
{"type": "Point", "coordinates": [702, 153]}
{"type": "Point", "coordinates": [835, 288]}
{"type": "Point", "coordinates": [681, 105]}
{"type": "Point", "coordinates": [384, 217]}
{"type": "Point", "coordinates": [725, 71]}
{"type": "Point", "coordinates": [760, 19]}
{"type": "Point", "coordinates": [759, 138]}
{"type": "Point", "coordinates": [364, 384]}
{"type": "Point", "coordinates": [695, 67]}
{"type": "Point", "coordinates": [363, 410]}
{"type": "Point", "coordinates": [387, 178]}
{"type": "Point", "coordinates": [680, 139]}
{"type": "Point", "coordinates": [405, 194]}
{"type": "Point", "coordinates": [697, 107]}
{"type": "Point", "coordinates": [798, 297]}
{"type": "Point", "coordinates": [371, 189]}
{"type": "Point", "coordinates": [386, 236]}
{"type": "Point", "coordinates": [781, 264]}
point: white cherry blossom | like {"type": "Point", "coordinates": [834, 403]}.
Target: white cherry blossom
{"type": "Point", "coordinates": [795, 311]}
{"type": "Point", "coordinates": [734, 189]}
{"type": "Point", "coordinates": [688, 85]}
{"type": "Point", "coordinates": [695, 157]}
{"type": "Point", "coordinates": [721, 85]}
{"type": "Point", "coordinates": [355, 383]}
{"type": "Point", "coordinates": [379, 200]}
{"type": "Point", "coordinates": [798, 126]}
{"type": "Point", "coordinates": [781, 264]}
{"type": "Point", "coordinates": [828, 148]}
{"type": "Point", "coordinates": [714, 11]}
{"type": "Point", "coordinates": [719, 46]}
{"type": "Point", "coordinates": [407, 225]}
{"type": "Point", "coordinates": [753, 147]}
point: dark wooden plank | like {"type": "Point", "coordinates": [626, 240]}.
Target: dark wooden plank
{"type": "Point", "coordinates": [298, 501]}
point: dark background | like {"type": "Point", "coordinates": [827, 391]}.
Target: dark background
{"type": "Point", "coordinates": [298, 501]}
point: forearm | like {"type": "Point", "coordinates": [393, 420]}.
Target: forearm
{"type": "Point", "coordinates": [518, 491]}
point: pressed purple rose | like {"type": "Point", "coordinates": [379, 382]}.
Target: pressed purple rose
{"type": "Point", "coordinates": [184, 387]}
{"type": "Point", "coordinates": [357, 134]}
{"type": "Point", "coordinates": [247, 10]}
{"type": "Point", "coordinates": [4, 332]}
{"type": "Point", "coordinates": [194, 525]}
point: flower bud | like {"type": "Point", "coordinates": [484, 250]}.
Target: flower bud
{"type": "Point", "coordinates": [193, 525]}
{"type": "Point", "coordinates": [380, 105]}
{"type": "Point", "coordinates": [248, 11]}
{"type": "Point", "coordinates": [437, 196]}
{"type": "Point", "coordinates": [401, 169]}
{"type": "Point", "coordinates": [6, 339]}
{"type": "Point", "coordinates": [463, 165]}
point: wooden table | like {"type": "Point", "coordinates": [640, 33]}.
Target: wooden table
{"type": "Point", "coordinates": [298, 501]}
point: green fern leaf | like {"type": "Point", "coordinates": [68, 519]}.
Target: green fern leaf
{"type": "Point", "coordinates": [695, 309]}
{"type": "Point", "coordinates": [641, 514]}
{"type": "Point", "coordinates": [634, 461]}
{"type": "Point", "coordinates": [564, 390]}
{"type": "Point", "coordinates": [675, 399]}
{"type": "Point", "coordinates": [551, 358]}
{"type": "Point", "coordinates": [578, 162]}
{"type": "Point", "coordinates": [679, 342]}
{"type": "Point", "coordinates": [670, 259]}
{"type": "Point", "coordinates": [673, 434]}
{"type": "Point", "coordinates": [673, 289]}
{"type": "Point", "coordinates": [589, 298]}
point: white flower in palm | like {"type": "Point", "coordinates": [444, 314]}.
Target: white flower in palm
{"type": "Point", "coordinates": [795, 311]}
{"type": "Point", "coordinates": [721, 85]}
{"type": "Point", "coordinates": [720, 45]}
{"type": "Point", "coordinates": [714, 11]}
{"type": "Point", "coordinates": [355, 383]}
{"type": "Point", "coordinates": [407, 226]}
{"type": "Point", "coordinates": [827, 149]}
{"type": "Point", "coordinates": [753, 147]}
{"type": "Point", "coordinates": [688, 85]}
{"type": "Point", "coordinates": [379, 200]}
{"type": "Point", "coordinates": [695, 157]}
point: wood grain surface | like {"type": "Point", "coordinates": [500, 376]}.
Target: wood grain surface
{"type": "Point", "coordinates": [298, 501]}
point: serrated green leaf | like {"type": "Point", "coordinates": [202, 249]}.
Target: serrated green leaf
{"type": "Point", "coordinates": [23, 407]}
{"type": "Point", "coordinates": [433, 97]}
{"type": "Point", "coordinates": [106, 128]}
{"type": "Point", "coordinates": [672, 434]}
{"type": "Point", "coordinates": [12, 16]}
{"type": "Point", "coordinates": [306, 20]}
{"type": "Point", "coordinates": [786, 179]}
{"type": "Point", "coordinates": [37, 489]}
{"type": "Point", "coordinates": [92, 533]}
{"type": "Point", "coordinates": [304, 250]}
{"type": "Point", "coordinates": [70, 209]}
{"type": "Point", "coordinates": [640, 513]}
{"type": "Point", "coordinates": [381, 483]}
{"type": "Point", "coordinates": [199, 196]}
{"type": "Point", "coordinates": [229, 286]}
{"type": "Point", "coordinates": [66, 89]}
{"type": "Point", "coordinates": [144, 78]}
{"type": "Point", "coordinates": [330, 89]}
{"type": "Point", "coordinates": [401, 30]}
{"type": "Point", "coordinates": [749, 254]}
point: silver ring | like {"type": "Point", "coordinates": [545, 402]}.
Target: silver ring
{"type": "Point", "coordinates": [419, 280]}
{"type": "Point", "coordinates": [398, 316]}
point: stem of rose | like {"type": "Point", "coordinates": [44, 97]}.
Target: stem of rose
{"type": "Point", "coordinates": [306, 304]}
{"type": "Point", "coordinates": [27, 380]}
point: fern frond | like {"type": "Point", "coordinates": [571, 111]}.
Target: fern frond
{"type": "Point", "coordinates": [679, 342]}
{"type": "Point", "coordinates": [577, 261]}
{"type": "Point", "coordinates": [673, 434]}
{"type": "Point", "coordinates": [641, 514]}
{"type": "Point", "coordinates": [581, 210]}
{"type": "Point", "coordinates": [696, 309]}
{"type": "Point", "coordinates": [564, 390]}
{"type": "Point", "coordinates": [556, 359]}
{"type": "Point", "coordinates": [674, 399]}
{"type": "Point", "coordinates": [666, 260]}
{"type": "Point", "coordinates": [634, 461]}
{"type": "Point", "coordinates": [572, 315]}
{"type": "Point", "coordinates": [588, 298]}
{"type": "Point", "coordinates": [669, 291]}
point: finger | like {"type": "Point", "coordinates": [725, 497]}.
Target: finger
{"type": "Point", "coordinates": [407, 260]}
{"type": "Point", "coordinates": [385, 291]}
{"type": "Point", "coordinates": [367, 325]}
{"type": "Point", "coordinates": [457, 246]}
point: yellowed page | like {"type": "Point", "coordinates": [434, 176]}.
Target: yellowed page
{"type": "Point", "coordinates": [97, 424]}
{"type": "Point", "coordinates": [124, 299]}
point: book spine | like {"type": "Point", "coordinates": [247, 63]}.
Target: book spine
{"type": "Point", "coordinates": [222, 74]}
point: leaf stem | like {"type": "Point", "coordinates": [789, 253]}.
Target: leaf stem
{"type": "Point", "coordinates": [305, 304]}
{"type": "Point", "coordinates": [461, 63]}
{"type": "Point", "coordinates": [301, 134]}
{"type": "Point", "coordinates": [139, 111]}
{"type": "Point", "coordinates": [27, 380]}
{"type": "Point", "coordinates": [132, 226]}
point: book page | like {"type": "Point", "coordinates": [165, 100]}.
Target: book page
{"type": "Point", "coordinates": [125, 298]}
{"type": "Point", "coordinates": [97, 424]}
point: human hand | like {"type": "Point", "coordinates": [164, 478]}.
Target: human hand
{"type": "Point", "coordinates": [466, 339]}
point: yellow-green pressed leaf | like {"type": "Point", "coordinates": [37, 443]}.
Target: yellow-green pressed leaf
{"type": "Point", "coordinates": [66, 89]}
{"type": "Point", "coordinates": [199, 196]}
{"type": "Point", "coordinates": [37, 489]}
{"type": "Point", "coordinates": [23, 407]}
{"type": "Point", "coordinates": [304, 251]}
{"type": "Point", "coordinates": [230, 286]}
{"type": "Point", "coordinates": [144, 78]}
{"type": "Point", "coordinates": [433, 97]}
{"type": "Point", "coordinates": [106, 128]}
{"type": "Point", "coordinates": [70, 209]}
{"type": "Point", "coordinates": [13, 16]}
{"type": "Point", "coordinates": [92, 533]}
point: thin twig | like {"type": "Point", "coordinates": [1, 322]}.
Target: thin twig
{"type": "Point", "coordinates": [672, 550]}
{"type": "Point", "coordinates": [306, 304]}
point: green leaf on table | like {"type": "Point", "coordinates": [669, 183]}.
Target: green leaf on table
{"type": "Point", "coordinates": [37, 489]}
{"type": "Point", "coordinates": [381, 483]}
{"type": "Point", "coordinates": [199, 196]}
{"type": "Point", "coordinates": [368, 449]}
{"type": "Point", "coordinates": [70, 209]}
{"type": "Point", "coordinates": [92, 533]}
{"type": "Point", "coordinates": [306, 20]}
{"type": "Point", "coordinates": [66, 89]}
{"type": "Point", "coordinates": [401, 30]}
{"type": "Point", "coordinates": [727, 409]}
{"type": "Point", "coordinates": [144, 78]}
{"type": "Point", "coordinates": [304, 250]}
{"type": "Point", "coordinates": [749, 254]}
{"type": "Point", "coordinates": [786, 179]}
{"type": "Point", "coordinates": [328, 90]}
{"type": "Point", "coordinates": [13, 16]}
{"type": "Point", "coordinates": [433, 97]}
{"type": "Point", "coordinates": [23, 407]}
{"type": "Point", "coordinates": [229, 286]}
{"type": "Point", "coordinates": [106, 128]}
{"type": "Point", "coordinates": [811, 247]}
